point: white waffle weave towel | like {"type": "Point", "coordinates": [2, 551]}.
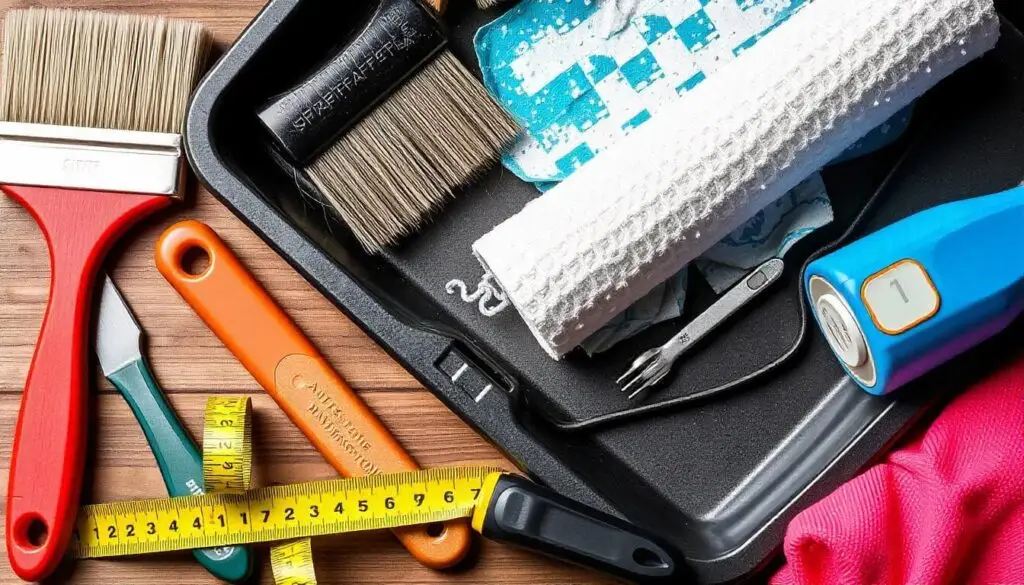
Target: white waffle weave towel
{"type": "Point", "coordinates": [636, 214]}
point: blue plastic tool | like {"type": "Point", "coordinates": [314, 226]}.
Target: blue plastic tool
{"type": "Point", "coordinates": [919, 292]}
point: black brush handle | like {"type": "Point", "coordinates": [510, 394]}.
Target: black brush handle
{"type": "Point", "coordinates": [525, 514]}
{"type": "Point", "coordinates": [399, 37]}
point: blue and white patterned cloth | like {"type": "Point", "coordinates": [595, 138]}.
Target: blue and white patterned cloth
{"type": "Point", "coordinates": [578, 75]}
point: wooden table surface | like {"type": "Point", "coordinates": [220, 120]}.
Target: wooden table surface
{"type": "Point", "coordinates": [191, 364]}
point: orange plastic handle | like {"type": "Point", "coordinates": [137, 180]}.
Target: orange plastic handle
{"type": "Point", "coordinates": [338, 423]}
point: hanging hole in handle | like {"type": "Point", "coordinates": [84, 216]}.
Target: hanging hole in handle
{"type": "Point", "coordinates": [32, 532]}
{"type": "Point", "coordinates": [195, 261]}
{"type": "Point", "coordinates": [436, 529]}
{"type": "Point", "coordinates": [648, 558]}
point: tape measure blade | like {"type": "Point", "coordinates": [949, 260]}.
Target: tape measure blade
{"type": "Point", "coordinates": [277, 513]}
{"type": "Point", "coordinates": [292, 563]}
{"type": "Point", "coordinates": [230, 514]}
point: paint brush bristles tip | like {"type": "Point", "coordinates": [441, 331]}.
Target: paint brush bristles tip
{"type": "Point", "coordinates": [99, 70]}
{"type": "Point", "coordinates": [393, 169]}
{"type": "Point", "coordinates": [488, 4]}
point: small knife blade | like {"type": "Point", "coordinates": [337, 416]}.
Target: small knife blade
{"type": "Point", "coordinates": [118, 334]}
{"type": "Point", "coordinates": [119, 348]}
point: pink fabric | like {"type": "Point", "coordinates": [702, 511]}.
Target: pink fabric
{"type": "Point", "coordinates": [948, 508]}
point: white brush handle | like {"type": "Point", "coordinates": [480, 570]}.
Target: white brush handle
{"type": "Point", "coordinates": [638, 213]}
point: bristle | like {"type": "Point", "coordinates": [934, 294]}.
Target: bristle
{"type": "Point", "coordinates": [486, 4]}
{"type": "Point", "coordinates": [100, 70]}
{"type": "Point", "coordinates": [401, 162]}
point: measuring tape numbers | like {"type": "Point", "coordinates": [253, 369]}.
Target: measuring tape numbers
{"type": "Point", "coordinates": [278, 513]}
{"type": "Point", "coordinates": [230, 514]}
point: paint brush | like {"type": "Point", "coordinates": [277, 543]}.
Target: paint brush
{"type": "Point", "coordinates": [91, 109]}
{"type": "Point", "coordinates": [390, 125]}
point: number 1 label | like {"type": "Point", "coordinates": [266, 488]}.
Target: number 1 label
{"type": "Point", "coordinates": [900, 297]}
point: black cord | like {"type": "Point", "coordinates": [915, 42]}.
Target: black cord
{"type": "Point", "coordinates": [586, 424]}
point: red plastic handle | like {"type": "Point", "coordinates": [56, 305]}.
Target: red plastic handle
{"type": "Point", "coordinates": [49, 440]}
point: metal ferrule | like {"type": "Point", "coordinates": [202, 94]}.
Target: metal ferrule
{"type": "Point", "coordinates": [128, 161]}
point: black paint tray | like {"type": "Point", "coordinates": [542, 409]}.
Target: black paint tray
{"type": "Point", "coordinates": [721, 479]}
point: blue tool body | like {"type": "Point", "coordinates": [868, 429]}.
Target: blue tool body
{"type": "Point", "coordinates": [907, 298]}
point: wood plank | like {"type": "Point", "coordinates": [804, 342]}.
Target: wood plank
{"type": "Point", "coordinates": [185, 355]}
{"type": "Point", "coordinates": [354, 559]}
{"type": "Point", "coordinates": [190, 363]}
{"type": "Point", "coordinates": [281, 452]}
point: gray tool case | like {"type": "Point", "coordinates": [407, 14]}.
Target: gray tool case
{"type": "Point", "coordinates": [719, 479]}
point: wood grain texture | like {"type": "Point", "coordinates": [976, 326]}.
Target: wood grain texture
{"type": "Point", "coordinates": [190, 363]}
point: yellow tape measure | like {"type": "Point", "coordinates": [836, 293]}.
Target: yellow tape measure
{"type": "Point", "coordinates": [231, 514]}
{"type": "Point", "coordinates": [227, 469]}
{"type": "Point", "coordinates": [278, 513]}
{"type": "Point", "coordinates": [292, 563]}
{"type": "Point", "coordinates": [227, 445]}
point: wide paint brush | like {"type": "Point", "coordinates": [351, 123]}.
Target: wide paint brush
{"type": "Point", "coordinates": [91, 107]}
{"type": "Point", "coordinates": [390, 125]}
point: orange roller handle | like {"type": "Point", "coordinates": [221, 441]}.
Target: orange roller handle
{"type": "Point", "coordinates": [266, 341]}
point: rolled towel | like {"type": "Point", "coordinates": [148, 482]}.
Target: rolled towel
{"type": "Point", "coordinates": [643, 209]}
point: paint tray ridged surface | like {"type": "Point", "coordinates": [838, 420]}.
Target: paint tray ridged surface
{"type": "Point", "coordinates": [642, 210]}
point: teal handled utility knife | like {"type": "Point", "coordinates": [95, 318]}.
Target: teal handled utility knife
{"type": "Point", "coordinates": [119, 347]}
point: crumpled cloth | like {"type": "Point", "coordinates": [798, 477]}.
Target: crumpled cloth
{"type": "Point", "coordinates": [948, 508]}
{"type": "Point", "coordinates": [579, 75]}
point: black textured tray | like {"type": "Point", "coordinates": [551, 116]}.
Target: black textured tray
{"type": "Point", "coordinates": [720, 480]}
